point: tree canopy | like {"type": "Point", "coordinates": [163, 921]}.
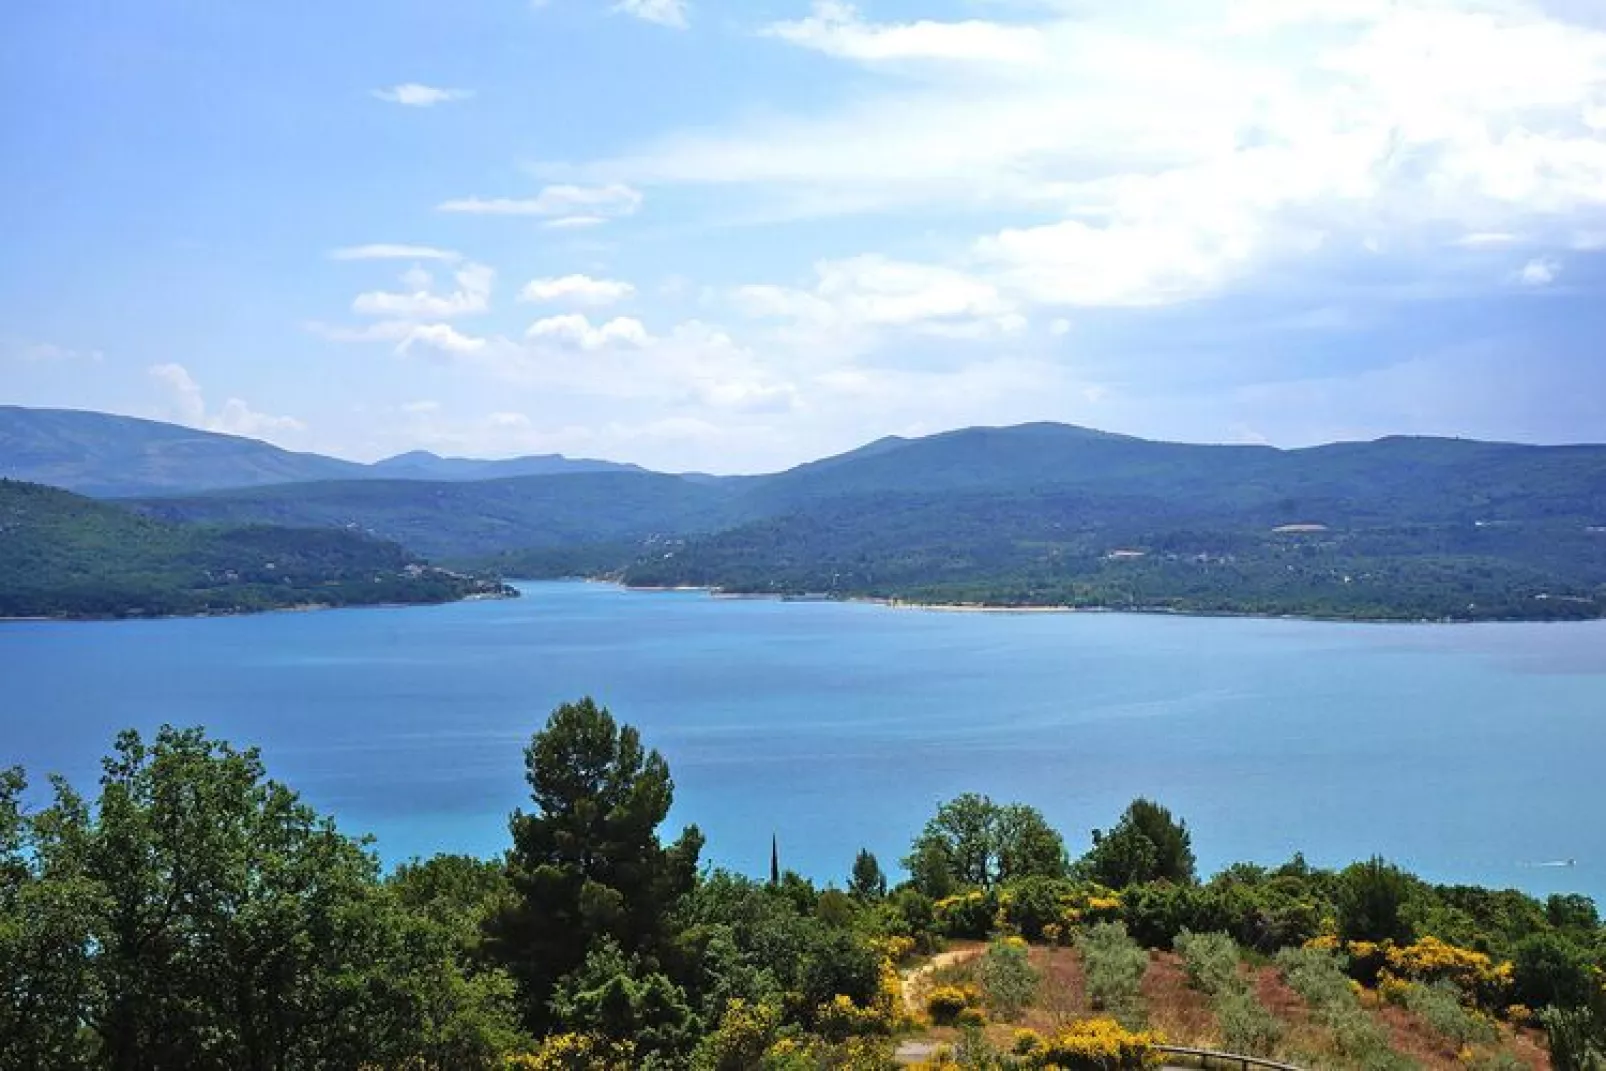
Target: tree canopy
{"type": "Point", "coordinates": [586, 864]}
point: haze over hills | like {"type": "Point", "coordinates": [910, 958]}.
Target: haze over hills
{"type": "Point", "coordinates": [107, 455]}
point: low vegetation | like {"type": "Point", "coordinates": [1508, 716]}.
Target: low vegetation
{"type": "Point", "coordinates": [190, 912]}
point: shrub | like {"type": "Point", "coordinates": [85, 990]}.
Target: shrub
{"type": "Point", "coordinates": [1439, 1005]}
{"type": "Point", "coordinates": [1247, 1027]}
{"type": "Point", "coordinates": [839, 1018]}
{"type": "Point", "coordinates": [945, 1003]}
{"type": "Point", "coordinates": [1577, 1039]}
{"type": "Point", "coordinates": [1100, 1045]}
{"type": "Point", "coordinates": [1211, 960]}
{"type": "Point", "coordinates": [1027, 1043]}
{"type": "Point", "coordinates": [971, 914]}
{"type": "Point", "coordinates": [745, 1032]}
{"type": "Point", "coordinates": [577, 1052]}
{"type": "Point", "coordinates": [1008, 979]}
{"type": "Point", "coordinates": [1114, 966]}
{"type": "Point", "coordinates": [1316, 974]}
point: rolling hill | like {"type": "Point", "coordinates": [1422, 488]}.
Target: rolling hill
{"type": "Point", "coordinates": [105, 455]}
{"type": "Point", "coordinates": [62, 555]}
{"type": "Point", "coordinates": [1037, 514]}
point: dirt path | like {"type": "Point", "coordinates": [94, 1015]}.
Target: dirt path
{"type": "Point", "coordinates": [914, 979]}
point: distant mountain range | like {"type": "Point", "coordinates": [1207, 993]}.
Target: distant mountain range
{"type": "Point", "coordinates": [106, 455]}
{"type": "Point", "coordinates": [1029, 515]}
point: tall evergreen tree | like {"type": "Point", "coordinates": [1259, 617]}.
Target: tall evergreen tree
{"type": "Point", "coordinates": [587, 864]}
{"type": "Point", "coordinates": [775, 860]}
{"type": "Point", "coordinates": [867, 881]}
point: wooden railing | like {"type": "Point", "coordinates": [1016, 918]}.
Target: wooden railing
{"type": "Point", "coordinates": [1209, 1059]}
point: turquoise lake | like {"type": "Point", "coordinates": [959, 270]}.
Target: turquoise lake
{"type": "Point", "coordinates": [1467, 753]}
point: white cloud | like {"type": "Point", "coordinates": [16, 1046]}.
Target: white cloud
{"type": "Point", "coordinates": [663, 12]}
{"type": "Point", "coordinates": [442, 337]}
{"type": "Point", "coordinates": [576, 329]}
{"type": "Point", "coordinates": [1169, 150]}
{"type": "Point", "coordinates": [388, 251]}
{"type": "Point", "coordinates": [870, 292]}
{"type": "Point", "coordinates": [414, 95]}
{"type": "Point", "coordinates": [1487, 240]}
{"type": "Point", "coordinates": [234, 418]}
{"type": "Point", "coordinates": [579, 289]}
{"type": "Point", "coordinates": [837, 29]}
{"type": "Point", "coordinates": [1541, 271]}
{"type": "Point", "coordinates": [421, 302]}
{"type": "Point", "coordinates": [570, 205]}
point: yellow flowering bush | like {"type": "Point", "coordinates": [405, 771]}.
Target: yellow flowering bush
{"type": "Point", "coordinates": [1100, 1045]}
{"type": "Point", "coordinates": [576, 1052]}
{"type": "Point", "coordinates": [1431, 960]}
{"type": "Point", "coordinates": [945, 1002]}
{"type": "Point", "coordinates": [840, 1018]}
{"type": "Point", "coordinates": [1028, 1043]}
{"type": "Point", "coordinates": [968, 914]}
{"type": "Point", "coordinates": [745, 1032]}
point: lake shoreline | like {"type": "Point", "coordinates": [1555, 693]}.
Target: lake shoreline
{"type": "Point", "coordinates": [1031, 608]}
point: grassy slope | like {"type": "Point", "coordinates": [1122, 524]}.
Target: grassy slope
{"type": "Point", "coordinates": [1185, 1017]}
{"type": "Point", "coordinates": [64, 555]}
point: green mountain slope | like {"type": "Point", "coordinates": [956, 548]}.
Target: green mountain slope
{"type": "Point", "coordinates": [469, 520]}
{"type": "Point", "coordinates": [1043, 513]}
{"type": "Point", "coordinates": [62, 555]}
{"type": "Point", "coordinates": [109, 456]}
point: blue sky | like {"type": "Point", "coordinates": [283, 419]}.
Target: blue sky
{"type": "Point", "coordinates": [732, 237]}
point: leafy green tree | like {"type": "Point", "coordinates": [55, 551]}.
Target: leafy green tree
{"type": "Point", "coordinates": [1371, 902]}
{"type": "Point", "coordinates": [931, 868]}
{"type": "Point", "coordinates": [1147, 844]}
{"type": "Point", "coordinates": [1548, 969]}
{"type": "Point", "coordinates": [47, 909]}
{"type": "Point", "coordinates": [200, 916]}
{"type": "Point", "coordinates": [587, 864]}
{"type": "Point", "coordinates": [867, 882]}
{"type": "Point", "coordinates": [973, 841]}
{"type": "Point", "coordinates": [1572, 912]}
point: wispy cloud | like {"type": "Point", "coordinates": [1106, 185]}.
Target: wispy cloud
{"type": "Point", "coordinates": [420, 301]}
{"type": "Point", "coordinates": [672, 13]}
{"type": "Point", "coordinates": [837, 29]}
{"type": "Point", "coordinates": [563, 205]}
{"type": "Point", "coordinates": [580, 289]}
{"type": "Point", "coordinates": [414, 95]}
{"type": "Point", "coordinates": [388, 251]}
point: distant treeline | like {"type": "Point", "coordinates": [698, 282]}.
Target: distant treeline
{"type": "Point", "coordinates": [191, 913]}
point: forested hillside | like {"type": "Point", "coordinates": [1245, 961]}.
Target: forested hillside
{"type": "Point", "coordinates": [62, 555]}
{"type": "Point", "coordinates": [1040, 514]}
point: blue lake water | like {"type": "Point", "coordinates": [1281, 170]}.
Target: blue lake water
{"type": "Point", "coordinates": [1467, 753]}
